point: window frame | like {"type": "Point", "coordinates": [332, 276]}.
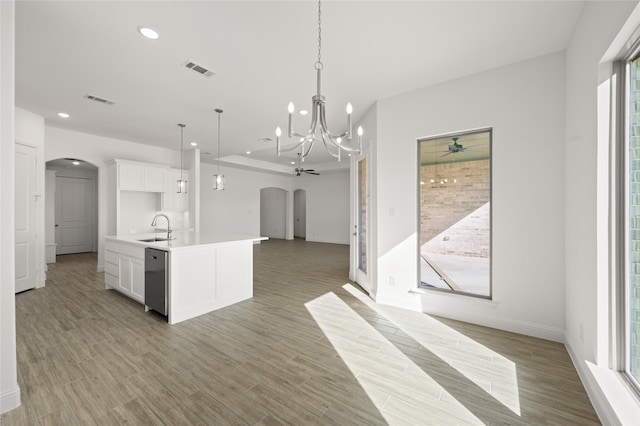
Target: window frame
{"type": "Point", "coordinates": [419, 288]}
{"type": "Point", "coordinates": [620, 350]}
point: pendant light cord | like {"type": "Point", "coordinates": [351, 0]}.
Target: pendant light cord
{"type": "Point", "coordinates": [182, 126]}
{"type": "Point", "coordinates": [219, 111]}
{"type": "Point", "coordinates": [181, 154]}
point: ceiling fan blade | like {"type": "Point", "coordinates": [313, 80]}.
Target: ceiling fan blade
{"type": "Point", "coordinates": [445, 154]}
{"type": "Point", "coordinates": [312, 172]}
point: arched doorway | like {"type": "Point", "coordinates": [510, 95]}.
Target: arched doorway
{"type": "Point", "coordinates": [71, 209]}
{"type": "Point", "coordinates": [300, 213]}
{"type": "Point", "coordinates": [273, 213]}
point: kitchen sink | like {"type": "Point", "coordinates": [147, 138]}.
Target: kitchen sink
{"type": "Point", "coordinates": [153, 240]}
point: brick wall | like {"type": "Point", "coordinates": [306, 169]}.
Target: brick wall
{"type": "Point", "coordinates": [634, 219]}
{"type": "Point", "coordinates": [443, 205]}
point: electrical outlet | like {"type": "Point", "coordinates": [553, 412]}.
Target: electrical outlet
{"type": "Point", "coordinates": [392, 280]}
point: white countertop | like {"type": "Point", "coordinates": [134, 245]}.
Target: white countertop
{"type": "Point", "coordinates": [182, 239]}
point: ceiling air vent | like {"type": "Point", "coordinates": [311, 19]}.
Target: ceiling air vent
{"type": "Point", "coordinates": [198, 68]}
{"type": "Point", "coordinates": [98, 99]}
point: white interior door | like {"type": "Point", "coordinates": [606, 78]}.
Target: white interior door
{"type": "Point", "coordinates": [362, 224]}
{"type": "Point", "coordinates": [74, 215]}
{"type": "Point", "coordinates": [300, 213]}
{"type": "Point", "coordinates": [25, 218]}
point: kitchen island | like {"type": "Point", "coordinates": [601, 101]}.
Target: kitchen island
{"type": "Point", "coordinates": [205, 271]}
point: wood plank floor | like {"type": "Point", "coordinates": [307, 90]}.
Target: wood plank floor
{"type": "Point", "coordinates": [308, 349]}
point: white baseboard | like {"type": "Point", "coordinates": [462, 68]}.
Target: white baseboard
{"type": "Point", "coordinates": [100, 268]}
{"type": "Point", "coordinates": [614, 402]}
{"type": "Point", "coordinates": [10, 399]}
{"type": "Point", "coordinates": [541, 331]}
{"type": "Point", "coordinates": [320, 240]}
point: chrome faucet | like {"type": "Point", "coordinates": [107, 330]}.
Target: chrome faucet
{"type": "Point", "coordinates": [155, 219]}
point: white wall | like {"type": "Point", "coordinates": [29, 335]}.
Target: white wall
{"type": "Point", "coordinates": [327, 199]}
{"type": "Point", "coordinates": [273, 213]}
{"type": "Point", "coordinates": [586, 177]}
{"type": "Point", "coordinates": [524, 104]}
{"type": "Point", "coordinates": [236, 210]}
{"type": "Point", "coordinates": [60, 143]}
{"type": "Point", "coordinates": [9, 389]}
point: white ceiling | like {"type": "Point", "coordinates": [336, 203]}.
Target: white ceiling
{"type": "Point", "coordinates": [263, 54]}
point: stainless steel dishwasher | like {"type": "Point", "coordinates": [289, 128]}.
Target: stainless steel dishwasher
{"type": "Point", "coordinates": [155, 279]}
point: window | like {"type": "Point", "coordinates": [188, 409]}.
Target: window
{"type": "Point", "coordinates": [454, 199]}
{"type": "Point", "coordinates": [630, 293]}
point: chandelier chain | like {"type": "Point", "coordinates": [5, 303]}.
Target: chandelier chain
{"type": "Point", "coordinates": [319, 36]}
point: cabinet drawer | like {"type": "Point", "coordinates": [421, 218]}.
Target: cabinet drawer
{"type": "Point", "coordinates": [131, 250]}
{"type": "Point", "coordinates": [110, 280]}
{"type": "Point", "coordinates": [112, 268]}
{"type": "Point", "coordinates": [110, 245]}
{"type": "Point", "coordinates": [111, 256]}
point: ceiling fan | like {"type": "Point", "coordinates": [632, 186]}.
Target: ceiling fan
{"type": "Point", "coordinates": [299, 170]}
{"type": "Point", "coordinates": [456, 147]}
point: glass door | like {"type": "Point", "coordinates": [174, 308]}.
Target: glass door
{"type": "Point", "coordinates": [362, 223]}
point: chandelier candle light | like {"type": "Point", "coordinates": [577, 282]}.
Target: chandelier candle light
{"type": "Point", "coordinates": [182, 184]}
{"type": "Point", "coordinates": [333, 143]}
{"type": "Point", "coordinates": [218, 179]}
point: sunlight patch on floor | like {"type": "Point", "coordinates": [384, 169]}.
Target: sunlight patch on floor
{"type": "Point", "coordinates": [402, 392]}
{"type": "Point", "coordinates": [491, 371]}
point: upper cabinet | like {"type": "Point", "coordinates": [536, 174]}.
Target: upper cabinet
{"type": "Point", "coordinates": [134, 176]}
{"type": "Point", "coordinates": [136, 191]}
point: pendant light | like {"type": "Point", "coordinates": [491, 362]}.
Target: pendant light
{"type": "Point", "coordinates": [182, 184]}
{"type": "Point", "coordinates": [218, 179]}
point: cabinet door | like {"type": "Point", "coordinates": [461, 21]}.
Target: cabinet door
{"type": "Point", "coordinates": [124, 265]}
{"type": "Point", "coordinates": [154, 179]}
{"type": "Point", "coordinates": [131, 177]}
{"type": "Point", "coordinates": [137, 279]}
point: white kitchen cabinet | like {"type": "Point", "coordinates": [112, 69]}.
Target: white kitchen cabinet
{"type": "Point", "coordinates": [133, 176]}
{"type": "Point", "coordinates": [124, 273]}
{"type": "Point", "coordinates": [170, 199]}
{"type": "Point", "coordinates": [136, 268]}
{"type": "Point", "coordinates": [124, 269]}
{"type": "Point", "coordinates": [154, 178]}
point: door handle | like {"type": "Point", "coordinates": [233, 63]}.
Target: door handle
{"type": "Point", "coordinates": [56, 225]}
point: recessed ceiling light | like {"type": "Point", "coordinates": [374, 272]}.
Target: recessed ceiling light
{"type": "Point", "coordinates": [63, 115]}
{"type": "Point", "coordinates": [293, 162]}
{"type": "Point", "coordinates": [304, 112]}
{"type": "Point", "coordinates": [148, 33]}
{"type": "Point", "coordinates": [75, 163]}
{"type": "Point", "coordinates": [194, 143]}
{"type": "Point", "coordinates": [248, 152]}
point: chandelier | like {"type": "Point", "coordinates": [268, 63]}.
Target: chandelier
{"type": "Point", "coordinates": [333, 143]}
